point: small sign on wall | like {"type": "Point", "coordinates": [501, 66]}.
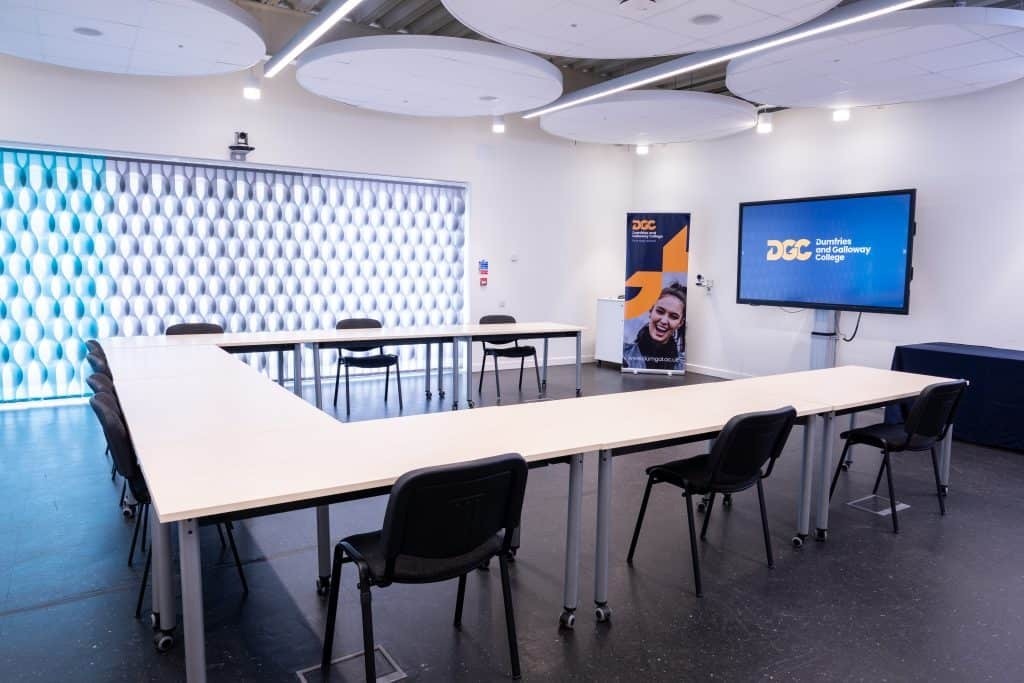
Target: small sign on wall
{"type": "Point", "coordinates": [482, 267]}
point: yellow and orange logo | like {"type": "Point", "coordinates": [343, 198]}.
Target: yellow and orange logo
{"type": "Point", "coordinates": [788, 250]}
{"type": "Point", "coordinates": [641, 224]}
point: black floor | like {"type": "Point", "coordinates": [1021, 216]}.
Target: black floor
{"type": "Point", "coordinates": [943, 601]}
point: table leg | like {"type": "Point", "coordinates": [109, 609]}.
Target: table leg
{"type": "Point", "coordinates": [825, 474]}
{"type": "Point", "coordinates": [455, 373]}
{"type": "Point", "coordinates": [469, 372]}
{"type": "Point", "coordinates": [317, 389]}
{"type": "Point", "coordinates": [544, 370]}
{"type": "Point", "coordinates": [298, 369]}
{"type": "Point", "coordinates": [440, 369]}
{"type": "Point", "coordinates": [426, 373]}
{"type": "Point", "coordinates": [192, 600]}
{"type": "Point", "coordinates": [604, 504]}
{"type": "Point", "coordinates": [579, 363]}
{"type": "Point", "coordinates": [323, 549]}
{"type": "Point", "coordinates": [165, 616]}
{"type": "Point", "coordinates": [946, 460]}
{"type": "Point", "coordinates": [803, 510]}
{"type": "Point", "coordinates": [280, 367]}
{"type": "Point", "coordinates": [571, 589]}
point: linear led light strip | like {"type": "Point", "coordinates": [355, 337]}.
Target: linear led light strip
{"type": "Point", "coordinates": [313, 32]}
{"type": "Point", "coordinates": [728, 56]}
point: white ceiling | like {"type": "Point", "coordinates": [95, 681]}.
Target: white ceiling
{"type": "Point", "coordinates": [905, 57]}
{"type": "Point", "coordinates": [141, 37]}
{"type": "Point", "coordinates": [652, 116]}
{"type": "Point", "coordinates": [429, 75]}
{"type": "Point", "coordinates": [609, 29]}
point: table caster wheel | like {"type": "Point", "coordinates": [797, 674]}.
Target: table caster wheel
{"type": "Point", "coordinates": [567, 619]}
{"type": "Point", "coordinates": [945, 490]}
{"type": "Point", "coordinates": [323, 585]}
{"type": "Point", "coordinates": [154, 621]}
{"type": "Point", "coordinates": [579, 392]}
{"type": "Point", "coordinates": [163, 641]}
{"type": "Point", "coordinates": [440, 394]}
{"type": "Point", "coordinates": [429, 396]}
{"type": "Point", "coordinates": [702, 506]}
{"type": "Point", "coordinates": [821, 535]}
{"type": "Point", "coordinates": [798, 541]}
{"type": "Point", "coordinates": [603, 613]}
{"type": "Point", "coordinates": [128, 511]}
{"type": "Point", "coordinates": [472, 404]}
{"type": "Point", "coordinates": [727, 500]}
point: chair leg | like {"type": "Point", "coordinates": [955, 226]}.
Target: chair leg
{"type": "Point", "coordinates": [113, 474]}
{"type": "Point", "coordinates": [938, 481]}
{"type": "Point", "coordinates": [220, 534]}
{"type": "Point", "coordinates": [839, 468]}
{"type": "Point", "coordinates": [337, 381]}
{"type": "Point", "coordinates": [510, 619]}
{"type": "Point", "coordinates": [764, 525]}
{"type": "Point", "coordinates": [387, 382]}
{"type": "Point", "coordinates": [892, 494]}
{"type": "Point", "coordinates": [693, 544]}
{"type": "Point", "coordinates": [460, 597]}
{"type": "Point", "coordinates": [522, 364]}
{"type": "Point", "coordinates": [483, 369]}
{"type": "Point", "coordinates": [707, 516]}
{"type": "Point", "coordinates": [238, 560]}
{"type": "Point", "coordinates": [369, 656]}
{"type": "Point", "coordinates": [878, 479]}
{"type": "Point", "coordinates": [497, 381]}
{"type": "Point", "coordinates": [348, 397]}
{"type": "Point", "coordinates": [145, 528]}
{"type": "Point", "coordinates": [398, 383]}
{"type": "Point", "coordinates": [332, 614]}
{"type": "Point", "coordinates": [135, 534]}
{"type": "Point", "coordinates": [536, 370]}
{"type": "Point", "coordinates": [639, 520]}
{"type": "Point", "coordinates": [142, 586]}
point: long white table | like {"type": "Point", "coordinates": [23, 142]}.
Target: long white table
{"type": "Point", "coordinates": [216, 440]}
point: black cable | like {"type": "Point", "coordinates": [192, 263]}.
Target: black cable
{"type": "Point", "coordinates": [855, 328]}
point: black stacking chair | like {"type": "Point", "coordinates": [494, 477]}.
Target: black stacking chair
{"type": "Point", "coordinates": [94, 347]}
{"type": "Point", "coordinates": [369, 361]}
{"type": "Point", "coordinates": [930, 417]}
{"type": "Point", "coordinates": [99, 365]}
{"type": "Point", "coordinates": [736, 463]}
{"type": "Point", "coordinates": [108, 412]}
{"type": "Point", "coordinates": [441, 523]}
{"type": "Point", "coordinates": [99, 384]}
{"type": "Point", "coordinates": [193, 328]}
{"type": "Point", "coordinates": [499, 347]}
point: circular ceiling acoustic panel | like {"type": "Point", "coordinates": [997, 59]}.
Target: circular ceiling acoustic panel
{"type": "Point", "coordinates": [138, 37]}
{"type": "Point", "coordinates": [908, 56]}
{"type": "Point", "coordinates": [642, 117]}
{"type": "Point", "coordinates": [429, 76]}
{"type": "Point", "coordinates": [628, 29]}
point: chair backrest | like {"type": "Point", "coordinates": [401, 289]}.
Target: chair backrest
{"type": "Point", "coordinates": [498, 319]}
{"type": "Point", "coordinates": [98, 365]}
{"type": "Point", "coordinates": [747, 443]}
{"type": "Point", "coordinates": [100, 383]}
{"type": "Point", "coordinates": [359, 324]}
{"type": "Point", "coordinates": [933, 411]}
{"type": "Point", "coordinates": [449, 511]}
{"type": "Point", "coordinates": [94, 348]}
{"type": "Point", "coordinates": [194, 328]}
{"type": "Point", "coordinates": [108, 412]}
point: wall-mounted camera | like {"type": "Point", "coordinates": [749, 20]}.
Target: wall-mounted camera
{"type": "Point", "coordinates": [705, 283]}
{"type": "Point", "coordinates": [241, 148]}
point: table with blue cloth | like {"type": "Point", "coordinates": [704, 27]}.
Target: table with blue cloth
{"type": "Point", "coordinates": [991, 411]}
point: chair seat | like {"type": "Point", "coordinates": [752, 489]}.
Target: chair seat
{"type": "Point", "coordinates": [382, 360]}
{"type": "Point", "coordinates": [510, 352]}
{"type": "Point", "coordinates": [409, 569]}
{"type": "Point", "coordinates": [885, 435]}
{"type": "Point", "coordinates": [693, 475]}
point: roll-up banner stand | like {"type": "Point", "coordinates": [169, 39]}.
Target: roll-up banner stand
{"type": "Point", "coordinates": [654, 326]}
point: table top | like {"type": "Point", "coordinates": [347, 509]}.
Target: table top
{"type": "Point", "coordinates": [214, 436]}
{"type": "Point", "coordinates": [384, 335]}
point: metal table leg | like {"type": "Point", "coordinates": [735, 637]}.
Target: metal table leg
{"type": "Point", "coordinates": [440, 369]}
{"type": "Point", "coordinates": [298, 369]}
{"type": "Point", "coordinates": [803, 510]}
{"type": "Point", "coordinates": [849, 451]}
{"type": "Point", "coordinates": [165, 616]}
{"type": "Point", "coordinates": [455, 373]}
{"type": "Point", "coordinates": [280, 367]}
{"type": "Point", "coordinates": [571, 589]}
{"type": "Point", "coordinates": [604, 503]}
{"type": "Point", "coordinates": [426, 373]}
{"type": "Point", "coordinates": [317, 389]}
{"type": "Point", "coordinates": [946, 460]}
{"type": "Point", "coordinates": [192, 601]}
{"type": "Point", "coordinates": [323, 549]}
{"type": "Point", "coordinates": [579, 363]}
{"type": "Point", "coordinates": [469, 372]}
{"type": "Point", "coordinates": [544, 370]}
{"type": "Point", "coordinates": [824, 480]}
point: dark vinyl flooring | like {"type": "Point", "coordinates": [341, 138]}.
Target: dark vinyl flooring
{"type": "Point", "coordinates": [942, 601]}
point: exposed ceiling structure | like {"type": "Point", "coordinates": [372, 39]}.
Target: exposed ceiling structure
{"type": "Point", "coordinates": [430, 17]}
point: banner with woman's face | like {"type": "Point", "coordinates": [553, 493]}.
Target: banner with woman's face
{"type": "Point", "coordinates": [657, 258]}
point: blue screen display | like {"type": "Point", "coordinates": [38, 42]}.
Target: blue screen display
{"type": "Point", "coordinates": [850, 253]}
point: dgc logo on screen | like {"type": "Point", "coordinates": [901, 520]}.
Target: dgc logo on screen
{"type": "Point", "coordinates": [788, 250]}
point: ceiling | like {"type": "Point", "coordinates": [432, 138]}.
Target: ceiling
{"type": "Point", "coordinates": [430, 17]}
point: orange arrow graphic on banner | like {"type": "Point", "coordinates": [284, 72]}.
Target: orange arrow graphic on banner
{"type": "Point", "coordinates": [674, 259]}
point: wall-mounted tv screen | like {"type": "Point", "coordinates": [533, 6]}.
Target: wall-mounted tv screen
{"type": "Point", "coordinates": [844, 252]}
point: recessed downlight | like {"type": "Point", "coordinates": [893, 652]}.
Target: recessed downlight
{"type": "Point", "coordinates": [88, 31]}
{"type": "Point", "coordinates": [705, 19]}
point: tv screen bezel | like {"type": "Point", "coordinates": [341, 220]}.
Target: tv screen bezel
{"type": "Point", "coordinates": [908, 273]}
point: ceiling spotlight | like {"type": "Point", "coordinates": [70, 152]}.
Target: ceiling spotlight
{"type": "Point", "coordinates": [840, 115]}
{"type": "Point", "coordinates": [498, 125]}
{"type": "Point", "coordinates": [252, 90]}
{"type": "Point", "coordinates": [643, 150]}
{"type": "Point", "coordinates": [764, 122]}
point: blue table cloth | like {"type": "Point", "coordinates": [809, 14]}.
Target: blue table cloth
{"type": "Point", "coordinates": [991, 412]}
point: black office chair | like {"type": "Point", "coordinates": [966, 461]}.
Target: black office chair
{"type": "Point", "coordinates": [108, 412]}
{"type": "Point", "coordinates": [498, 347]}
{"type": "Point", "coordinates": [100, 383]}
{"type": "Point", "coordinates": [193, 328]}
{"type": "Point", "coordinates": [745, 445]}
{"type": "Point", "coordinates": [441, 523]}
{"type": "Point", "coordinates": [930, 417]}
{"type": "Point", "coordinates": [369, 361]}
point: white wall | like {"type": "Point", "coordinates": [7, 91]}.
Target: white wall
{"type": "Point", "coordinates": [964, 155]}
{"type": "Point", "coordinates": [558, 207]}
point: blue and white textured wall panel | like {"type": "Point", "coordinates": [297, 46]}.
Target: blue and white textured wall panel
{"type": "Point", "coordinates": [95, 247]}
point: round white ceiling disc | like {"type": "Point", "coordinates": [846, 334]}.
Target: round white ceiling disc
{"type": "Point", "coordinates": [626, 29]}
{"type": "Point", "coordinates": [429, 75]}
{"type": "Point", "coordinates": [138, 37]}
{"type": "Point", "coordinates": [641, 117]}
{"type": "Point", "coordinates": [908, 56]}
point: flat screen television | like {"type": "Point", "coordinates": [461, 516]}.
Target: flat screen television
{"type": "Point", "coordinates": [843, 252]}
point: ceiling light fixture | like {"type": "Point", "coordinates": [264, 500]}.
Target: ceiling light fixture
{"type": "Point", "coordinates": [764, 123]}
{"type": "Point", "coordinates": [253, 90]}
{"type": "Point", "coordinates": [312, 32]}
{"type": "Point", "coordinates": [841, 17]}
{"type": "Point", "coordinates": [643, 150]}
{"type": "Point", "coordinates": [498, 125]}
{"type": "Point", "coordinates": [840, 115]}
